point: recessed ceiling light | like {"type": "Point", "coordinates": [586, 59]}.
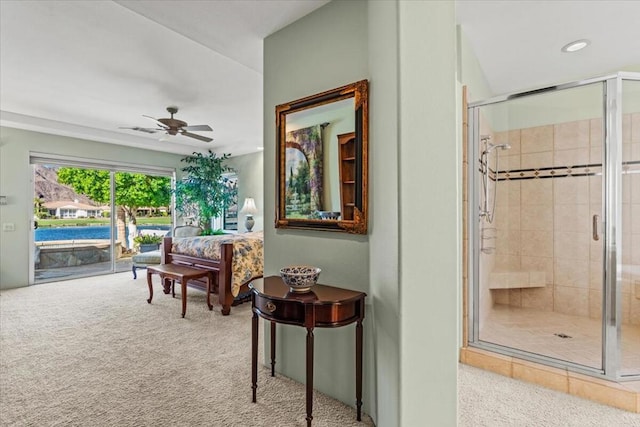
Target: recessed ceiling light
{"type": "Point", "coordinates": [575, 45]}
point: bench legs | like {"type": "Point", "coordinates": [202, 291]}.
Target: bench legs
{"type": "Point", "coordinates": [209, 290]}
{"type": "Point", "coordinates": [183, 287]}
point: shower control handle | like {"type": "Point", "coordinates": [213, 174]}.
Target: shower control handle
{"type": "Point", "coordinates": [594, 227]}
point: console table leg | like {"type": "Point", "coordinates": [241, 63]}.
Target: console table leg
{"type": "Point", "coordinates": [273, 349]}
{"type": "Point", "coordinates": [309, 376]}
{"type": "Point", "coordinates": [254, 355]}
{"type": "Point", "coordinates": [359, 369]}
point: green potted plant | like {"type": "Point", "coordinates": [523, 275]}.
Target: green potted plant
{"type": "Point", "coordinates": [204, 193]}
{"type": "Point", "coordinates": [147, 242]}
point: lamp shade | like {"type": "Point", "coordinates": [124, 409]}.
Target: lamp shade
{"type": "Point", "coordinates": [249, 207]}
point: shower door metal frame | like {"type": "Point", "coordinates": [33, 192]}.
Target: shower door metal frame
{"type": "Point", "coordinates": [612, 206]}
{"type": "Point", "coordinates": [611, 224]}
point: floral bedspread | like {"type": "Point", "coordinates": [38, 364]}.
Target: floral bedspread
{"type": "Point", "coordinates": [248, 253]}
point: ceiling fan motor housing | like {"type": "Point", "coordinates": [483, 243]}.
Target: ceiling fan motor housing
{"type": "Point", "coordinates": [173, 124]}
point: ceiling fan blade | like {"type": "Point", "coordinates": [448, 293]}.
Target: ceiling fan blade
{"type": "Point", "coordinates": [147, 130]}
{"type": "Point", "coordinates": [158, 122]}
{"type": "Point", "coordinates": [198, 128]}
{"type": "Point", "coordinates": [193, 135]}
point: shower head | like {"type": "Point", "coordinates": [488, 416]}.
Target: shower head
{"type": "Point", "coordinates": [492, 147]}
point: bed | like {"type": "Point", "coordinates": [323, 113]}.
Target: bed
{"type": "Point", "coordinates": [236, 259]}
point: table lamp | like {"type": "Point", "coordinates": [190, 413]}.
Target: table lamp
{"type": "Point", "coordinates": [249, 209]}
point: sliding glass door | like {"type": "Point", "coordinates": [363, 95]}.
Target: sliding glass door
{"type": "Point", "coordinates": [86, 216]}
{"type": "Point", "coordinates": [72, 227]}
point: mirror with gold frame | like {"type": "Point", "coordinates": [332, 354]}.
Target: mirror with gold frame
{"type": "Point", "coordinates": [321, 160]}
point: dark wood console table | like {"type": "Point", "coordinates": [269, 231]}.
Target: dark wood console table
{"type": "Point", "coordinates": [322, 307]}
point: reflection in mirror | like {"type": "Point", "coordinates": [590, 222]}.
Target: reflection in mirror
{"type": "Point", "coordinates": [322, 143]}
{"type": "Point", "coordinates": [312, 172]}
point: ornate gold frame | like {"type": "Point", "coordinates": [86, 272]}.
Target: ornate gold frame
{"type": "Point", "coordinates": [358, 223]}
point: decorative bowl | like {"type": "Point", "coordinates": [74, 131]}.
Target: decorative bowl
{"type": "Point", "coordinates": [300, 278]}
{"type": "Point", "coordinates": [329, 215]}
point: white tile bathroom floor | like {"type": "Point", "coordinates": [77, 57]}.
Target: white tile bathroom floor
{"type": "Point", "coordinates": [535, 331]}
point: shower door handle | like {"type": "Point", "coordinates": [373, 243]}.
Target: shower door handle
{"type": "Point", "coordinates": [594, 228]}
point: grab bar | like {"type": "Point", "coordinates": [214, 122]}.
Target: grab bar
{"type": "Point", "coordinates": [594, 228]}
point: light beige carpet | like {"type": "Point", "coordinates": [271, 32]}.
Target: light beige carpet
{"type": "Point", "coordinates": [92, 352]}
{"type": "Point", "coordinates": [486, 399]}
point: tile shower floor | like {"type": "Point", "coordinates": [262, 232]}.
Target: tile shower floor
{"type": "Point", "coordinates": [542, 332]}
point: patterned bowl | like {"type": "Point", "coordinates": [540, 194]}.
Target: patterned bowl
{"type": "Point", "coordinates": [300, 278]}
{"type": "Point", "coordinates": [329, 215]}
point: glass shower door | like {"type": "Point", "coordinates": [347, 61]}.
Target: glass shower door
{"type": "Point", "coordinates": [539, 196]}
{"type": "Point", "coordinates": [630, 271]}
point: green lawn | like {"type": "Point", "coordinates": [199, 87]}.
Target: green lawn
{"type": "Point", "coordinates": [81, 222]}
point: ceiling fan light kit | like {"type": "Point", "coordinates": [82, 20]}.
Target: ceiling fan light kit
{"type": "Point", "coordinates": [173, 126]}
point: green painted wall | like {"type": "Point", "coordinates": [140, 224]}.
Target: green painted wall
{"type": "Point", "coordinates": [384, 283]}
{"type": "Point", "coordinates": [409, 264]}
{"type": "Point", "coordinates": [430, 221]}
{"type": "Point", "coordinates": [567, 105]}
{"type": "Point", "coordinates": [469, 70]}
{"type": "Point", "coordinates": [324, 50]}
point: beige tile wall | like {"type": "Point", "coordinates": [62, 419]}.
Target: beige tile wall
{"type": "Point", "coordinates": [545, 224]}
{"type": "Point", "coordinates": [631, 222]}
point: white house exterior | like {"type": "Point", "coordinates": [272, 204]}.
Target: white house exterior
{"type": "Point", "coordinates": [72, 209]}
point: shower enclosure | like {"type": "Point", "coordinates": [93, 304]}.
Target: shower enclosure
{"type": "Point", "coordinates": [554, 226]}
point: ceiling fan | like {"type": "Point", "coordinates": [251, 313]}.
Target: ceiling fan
{"type": "Point", "coordinates": [174, 126]}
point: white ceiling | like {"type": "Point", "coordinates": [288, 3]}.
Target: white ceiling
{"type": "Point", "coordinates": [518, 42]}
{"type": "Point", "coordinates": [86, 68]}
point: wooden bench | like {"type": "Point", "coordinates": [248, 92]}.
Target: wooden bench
{"type": "Point", "coordinates": [181, 274]}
